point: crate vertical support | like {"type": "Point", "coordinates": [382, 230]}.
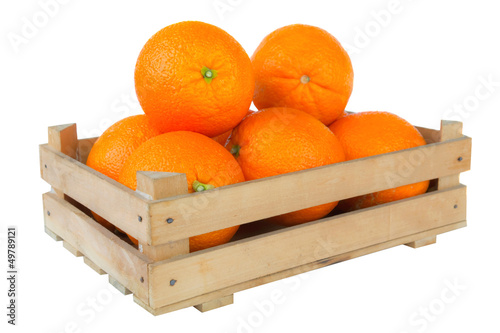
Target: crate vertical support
{"type": "Point", "coordinates": [449, 130]}
{"type": "Point", "coordinates": [63, 138]}
{"type": "Point", "coordinates": [160, 185]}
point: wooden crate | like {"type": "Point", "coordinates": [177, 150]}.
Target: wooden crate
{"type": "Point", "coordinates": [161, 273]}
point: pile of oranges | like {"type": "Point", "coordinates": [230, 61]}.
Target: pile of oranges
{"type": "Point", "coordinates": [195, 84]}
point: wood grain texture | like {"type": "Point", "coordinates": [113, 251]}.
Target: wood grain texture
{"type": "Point", "coordinates": [63, 138]}
{"type": "Point", "coordinates": [108, 198]}
{"type": "Point", "coordinates": [120, 287]}
{"type": "Point", "coordinates": [450, 130]}
{"type": "Point", "coordinates": [422, 242]}
{"type": "Point", "coordinates": [102, 247]}
{"type": "Point", "coordinates": [430, 135]}
{"type": "Point", "coordinates": [241, 203]}
{"type": "Point", "coordinates": [84, 148]}
{"type": "Point", "coordinates": [300, 269]}
{"type": "Point", "coordinates": [91, 264]}
{"type": "Point", "coordinates": [155, 186]}
{"type": "Point", "coordinates": [215, 303]}
{"type": "Point", "coordinates": [217, 268]}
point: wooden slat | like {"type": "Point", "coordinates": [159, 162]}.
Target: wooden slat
{"type": "Point", "coordinates": [422, 242]}
{"type": "Point", "coordinates": [91, 264]}
{"type": "Point", "coordinates": [159, 185]}
{"type": "Point", "coordinates": [71, 249]}
{"type": "Point", "coordinates": [97, 243]}
{"type": "Point", "coordinates": [215, 303]}
{"type": "Point", "coordinates": [52, 234]}
{"type": "Point", "coordinates": [63, 138]}
{"type": "Point", "coordinates": [430, 135]}
{"type": "Point", "coordinates": [241, 203]}
{"type": "Point", "coordinates": [300, 269]}
{"type": "Point", "coordinates": [108, 198]}
{"type": "Point", "coordinates": [84, 147]}
{"type": "Point", "coordinates": [450, 130]}
{"type": "Point", "coordinates": [217, 268]}
{"type": "Point", "coordinates": [120, 287]}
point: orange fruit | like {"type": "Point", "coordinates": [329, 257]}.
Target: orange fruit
{"type": "Point", "coordinates": [115, 145]}
{"type": "Point", "coordinates": [275, 141]}
{"type": "Point", "coordinates": [206, 165]}
{"type": "Point", "coordinates": [222, 138]}
{"type": "Point", "coordinates": [193, 76]}
{"type": "Point", "coordinates": [305, 68]}
{"type": "Point", "coordinates": [366, 134]}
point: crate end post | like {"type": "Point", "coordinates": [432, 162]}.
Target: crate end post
{"type": "Point", "coordinates": [449, 130]}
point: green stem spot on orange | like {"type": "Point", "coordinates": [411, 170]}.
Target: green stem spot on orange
{"type": "Point", "coordinates": [235, 151]}
{"type": "Point", "coordinates": [305, 79]}
{"type": "Point", "coordinates": [208, 74]}
{"type": "Point", "coordinates": [200, 187]}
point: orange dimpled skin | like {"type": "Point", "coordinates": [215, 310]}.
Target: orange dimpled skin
{"type": "Point", "coordinates": [366, 134]}
{"type": "Point", "coordinates": [303, 67]}
{"type": "Point", "coordinates": [115, 145]}
{"type": "Point", "coordinates": [275, 141]}
{"type": "Point", "coordinates": [193, 76]}
{"type": "Point", "coordinates": [206, 165]}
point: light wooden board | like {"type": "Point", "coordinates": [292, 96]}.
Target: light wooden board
{"type": "Point", "coordinates": [159, 185]}
{"type": "Point", "coordinates": [120, 287]}
{"type": "Point", "coordinates": [236, 204]}
{"type": "Point", "coordinates": [450, 130]}
{"type": "Point", "coordinates": [430, 135]}
{"type": "Point", "coordinates": [215, 303]}
{"type": "Point", "coordinates": [301, 269]}
{"type": "Point", "coordinates": [91, 264]}
{"type": "Point", "coordinates": [108, 198]}
{"type": "Point", "coordinates": [84, 148]}
{"type": "Point", "coordinates": [217, 268]}
{"type": "Point", "coordinates": [102, 247]}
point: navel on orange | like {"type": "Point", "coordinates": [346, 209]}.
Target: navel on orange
{"type": "Point", "coordinates": [305, 68]}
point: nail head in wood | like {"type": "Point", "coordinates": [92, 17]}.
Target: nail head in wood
{"type": "Point", "coordinates": [170, 220]}
{"type": "Point", "coordinates": [48, 212]}
{"type": "Point", "coordinates": [141, 279]}
{"type": "Point", "coordinates": [139, 218]}
{"type": "Point", "coordinates": [456, 206]}
{"type": "Point", "coordinates": [172, 282]}
{"type": "Point", "coordinates": [460, 159]}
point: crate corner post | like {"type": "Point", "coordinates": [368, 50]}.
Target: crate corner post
{"type": "Point", "coordinates": [157, 186]}
{"type": "Point", "coordinates": [449, 130]}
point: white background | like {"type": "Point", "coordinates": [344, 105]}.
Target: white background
{"type": "Point", "coordinates": [423, 61]}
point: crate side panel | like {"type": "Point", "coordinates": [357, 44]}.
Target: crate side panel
{"type": "Point", "coordinates": [217, 268]}
{"type": "Point", "coordinates": [102, 247]}
{"type": "Point", "coordinates": [301, 269]}
{"type": "Point", "coordinates": [111, 200]}
{"type": "Point", "coordinates": [241, 203]}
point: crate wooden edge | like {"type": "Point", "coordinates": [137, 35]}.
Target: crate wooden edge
{"type": "Point", "coordinates": [223, 293]}
{"type": "Point", "coordinates": [191, 216]}
{"type": "Point", "coordinates": [154, 231]}
{"type": "Point", "coordinates": [103, 248]}
{"type": "Point", "coordinates": [432, 233]}
{"type": "Point", "coordinates": [206, 271]}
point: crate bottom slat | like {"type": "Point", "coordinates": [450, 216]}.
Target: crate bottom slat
{"type": "Point", "coordinates": [432, 233]}
{"type": "Point", "coordinates": [106, 250]}
{"type": "Point", "coordinates": [72, 226]}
